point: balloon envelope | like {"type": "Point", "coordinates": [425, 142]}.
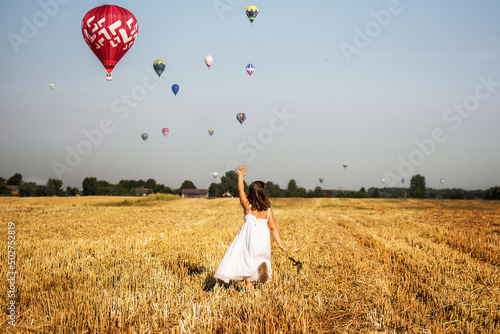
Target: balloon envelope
{"type": "Point", "coordinates": [321, 179]}
{"type": "Point", "coordinates": [52, 85]}
{"type": "Point", "coordinates": [209, 60]}
{"type": "Point", "coordinates": [241, 117]}
{"type": "Point", "coordinates": [383, 181]}
{"type": "Point", "coordinates": [144, 136]}
{"type": "Point", "coordinates": [175, 88]}
{"type": "Point", "coordinates": [345, 165]}
{"type": "Point", "coordinates": [159, 66]}
{"type": "Point", "coordinates": [403, 180]}
{"type": "Point", "coordinates": [442, 181]}
{"type": "Point", "coordinates": [165, 131]}
{"type": "Point", "coordinates": [252, 12]}
{"type": "Point", "coordinates": [250, 69]}
{"type": "Point", "coordinates": [210, 132]}
{"type": "Point", "coordinates": [109, 31]}
{"type": "Point", "coordinates": [215, 174]}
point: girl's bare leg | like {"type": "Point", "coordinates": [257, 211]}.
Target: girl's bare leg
{"type": "Point", "coordinates": [249, 285]}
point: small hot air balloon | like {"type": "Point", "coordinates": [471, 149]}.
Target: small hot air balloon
{"type": "Point", "coordinates": [159, 66]}
{"type": "Point", "coordinates": [165, 131]}
{"type": "Point", "coordinates": [215, 174]}
{"type": "Point", "coordinates": [321, 180]}
{"type": "Point", "coordinates": [52, 85]}
{"type": "Point", "coordinates": [442, 181]}
{"type": "Point", "coordinates": [252, 12]}
{"type": "Point", "coordinates": [144, 136]}
{"type": "Point", "coordinates": [209, 60]}
{"type": "Point", "coordinates": [175, 88]}
{"type": "Point", "coordinates": [109, 31]}
{"type": "Point", "coordinates": [250, 69]}
{"type": "Point", "coordinates": [210, 132]}
{"type": "Point", "coordinates": [383, 181]}
{"type": "Point", "coordinates": [403, 180]}
{"type": "Point", "coordinates": [241, 117]}
{"type": "Point", "coordinates": [345, 165]}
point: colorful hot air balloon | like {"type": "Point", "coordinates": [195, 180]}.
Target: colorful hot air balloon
{"type": "Point", "coordinates": [210, 132]}
{"type": "Point", "coordinates": [144, 136]}
{"type": "Point", "coordinates": [209, 60]}
{"type": "Point", "coordinates": [175, 88]}
{"type": "Point", "coordinates": [165, 131]}
{"type": "Point", "coordinates": [442, 181]}
{"type": "Point", "coordinates": [321, 180]}
{"type": "Point", "coordinates": [215, 174]}
{"type": "Point", "coordinates": [250, 69]}
{"type": "Point", "coordinates": [109, 31]}
{"type": "Point", "coordinates": [52, 85]}
{"type": "Point", "coordinates": [252, 12]}
{"type": "Point", "coordinates": [383, 181]}
{"type": "Point", "coordinates": [345, 165]}
{"type": "Point", "coordinates": [403, 180]}
{"type": "Point", "coordinates": [241, 117]}
{"type": "Point", "coordinates": [159, 66]}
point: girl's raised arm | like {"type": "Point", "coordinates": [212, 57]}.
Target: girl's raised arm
{"type": "Point", "coordinates": [241, 189]}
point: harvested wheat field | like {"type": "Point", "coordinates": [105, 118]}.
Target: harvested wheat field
{"type": "Point", "coordinates": [145, 265]}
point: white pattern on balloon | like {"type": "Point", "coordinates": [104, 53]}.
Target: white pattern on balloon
{"type": "Point", "coordinates": [112, 36]}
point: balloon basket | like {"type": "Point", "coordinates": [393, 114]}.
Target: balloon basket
{"type": "Point", "coordinates": [108, 77]}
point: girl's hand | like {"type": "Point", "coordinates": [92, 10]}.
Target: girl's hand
{"type": "Point", "coordinates": [283, 248]}
{"type": "Point", "coordinates": [241, 171]}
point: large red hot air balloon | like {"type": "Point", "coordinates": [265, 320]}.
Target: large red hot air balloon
{"type": "Point", "coordinates": [109, 31]}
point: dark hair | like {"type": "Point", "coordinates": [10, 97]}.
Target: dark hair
{"type": "Point", "coordinates": [257, 196]}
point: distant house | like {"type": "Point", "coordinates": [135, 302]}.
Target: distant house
{"type": "Point", "coordinates": [195, 193]}
{"type": "Point", "coordinates": [142, 191]}
{"type": "Point", "coordinates": [328, 193]}
{"type": "Point", "coordinates": [14, 190]}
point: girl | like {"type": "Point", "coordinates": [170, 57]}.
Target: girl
{"type": "Point", "coordinates": [249, 256]}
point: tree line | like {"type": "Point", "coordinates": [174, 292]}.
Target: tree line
{"type": "Point", "coordinates": [228, 186]}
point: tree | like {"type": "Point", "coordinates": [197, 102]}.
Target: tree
{"type": "Point", "coordinates": [71, 191]}
{"type": "Point", "coordinates": [187, 185]}
{"type": "Point", "coordinates": [4, 190]}
{"type": "Point", "coordinates": [151, 184]}
{"type": "Point", "coordinates": [215, 190]}
{"type": "Point", "coordinates": [318, 192]}
{"type": "Point", "coordinates": [493, 193]}
{"type": "Point", "coordinates": [274, 190]}
{"type": "Point", "coordinates": [54, 187]}
{"type": "Point", "coordinates": [229, 183]}
{"type": "Point", "coordinates": [15, 180]}
{"type": "Point", "coordinates": [42, 191]}
{"type": "Point", "coordinates": [375, 193]}
{"type": "Point", "coordinates": [119, 191]}
{"type": "Point", "coordinates": [301, 192]}
{"type": "Point", "coordinates": [417, 186]}
{"type": "Point", "coordinates": [291, 189]}
{"type": "Point", "coordinates": [458, 194]}
{"type": "Point", "coordinates": [89, 186]}
{"type": "Point", "coordinates": [28, 189]}
{"type": "Point", "coordinates": [160, 188]}
{"type": "Point", "coordinates": [361, 193]}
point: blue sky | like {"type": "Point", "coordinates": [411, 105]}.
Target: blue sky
{"type": "Point", "coordinates": [393, 88]}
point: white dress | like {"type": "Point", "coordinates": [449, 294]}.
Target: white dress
{"type": "Point", "coordinates": [250, 247]}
